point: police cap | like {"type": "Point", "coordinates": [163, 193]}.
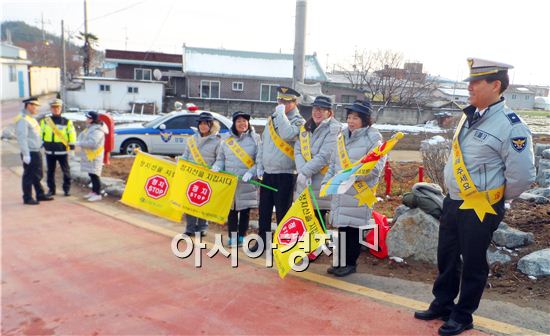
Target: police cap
{"type": "Point", "coordinates": [286, 93]}
{"type": "Point", "coordinates": [484, 69]}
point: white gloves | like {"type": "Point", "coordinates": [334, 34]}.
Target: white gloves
{"type": "Point", "coordinates": [247, 176]}
{"type": "Point", "coordinates": [280, 109]}
{"type": "Point", "coordinates": [215, 169]}
{"type": "Point", "coordinates": [260, 173]}
{"type": "Point", "coordinates": [302, 179]}
{"type": "Point", "coordinates": [26, 159]}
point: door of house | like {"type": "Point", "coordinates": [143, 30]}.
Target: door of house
{"type": "Point", "coordinates": [21, 82]}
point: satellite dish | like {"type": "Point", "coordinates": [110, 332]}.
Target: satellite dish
{"type": "Point", "coordinates": [157, 74]}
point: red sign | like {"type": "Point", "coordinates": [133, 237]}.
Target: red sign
{"type": "Point", "coordinates": [156, 186]}
{"type": "Point", "coordinates": [291, 231]}
{"type": "Point", "coordinates": [199, 192]}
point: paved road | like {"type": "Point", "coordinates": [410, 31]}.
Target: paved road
{"type": "Point", "coordinates": [70, 270]}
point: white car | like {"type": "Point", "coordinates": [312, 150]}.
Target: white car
{"type": "Point", "coordinates": [163, 135]}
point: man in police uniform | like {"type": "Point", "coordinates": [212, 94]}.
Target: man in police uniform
{"type": "Point", "coordinates": [28, 132]}
{"type": "Point", "coordinates": [492, 160]}
{"type": "Point", "coordinates": [275, 160]}
{"type": "Point", "coordinates": [59, 136]}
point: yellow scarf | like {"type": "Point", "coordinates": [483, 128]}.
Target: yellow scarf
{"type": "Point", "coordinates": [283, 146]}
{"type": "Point", "coordinates": [239, 152]}
{"type": "Point", "coordinates": [197, 157]}
{"type": "Point", "coordinates": [365, 195]}
{"type": "Point", "coordinates": [305, 146]}
{"type": "Point", "coordinates": [480, 202]}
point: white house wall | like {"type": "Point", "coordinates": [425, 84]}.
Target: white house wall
{"type": "Point", "coordinates": [10, 90]}
{"type": "Point", "coordinates": [118, 98]}
{"type": "Point", "coordinates": [44, 80]}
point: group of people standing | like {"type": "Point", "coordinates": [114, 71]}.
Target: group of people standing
{"type": "Point", "coordinates": [290, 155]}
{"type": "Point", "coordinates": [57, 135]}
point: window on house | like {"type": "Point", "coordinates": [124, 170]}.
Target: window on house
{"type": "Point", "coordinates": [348, 99]}
{"type": "Point", "coordinates": [526, 97]}
{"type": "Point", "coordinates": [13, 75]}
{"type": "Point", "coordinates": [514, 96]}
{"type": "Point", "coordinates": [238, 86]}
{"type": "Point", "coordinates": [133, 89]}
{"type": "Point", "coordinates": [268, 92]}
{"type": "Point", "coordinates": [104, 88]}
{"type": "Point", "coordinates": [210, 89]}
{"type": "Point", "coordinates": [142, 74]}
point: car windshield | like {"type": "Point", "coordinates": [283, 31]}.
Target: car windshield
{"type": "Point", "coordinates": [154, 121]}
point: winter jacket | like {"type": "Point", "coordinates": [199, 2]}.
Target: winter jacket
{"type": "Point", "coordinates": [497, 150]}
{"type": "Point", "coordinates": [323, 143]}
{"type": "Point", "coordinates": [246, 196]}
{"type": "Point", "coordinates": [426, 196]}
{"type": "Point", "coordinates": [91, 139]}
{"type": "Point", "coordinates": [27, 132]}
{"type": "Point", "coordinates": [208, 145]}
{"type": "Point", "coordinates": [270, 159]}
{"type": "Point", "coordinates": [344, 208]}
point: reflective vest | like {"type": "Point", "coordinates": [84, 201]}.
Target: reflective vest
{"type": "Point", "coordinates": [53, 144]}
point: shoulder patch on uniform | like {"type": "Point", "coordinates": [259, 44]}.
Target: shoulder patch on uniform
{"type": "Point", "coordinates": [514, 119]}
{"type": "Point", "coordinates": [519, 143]}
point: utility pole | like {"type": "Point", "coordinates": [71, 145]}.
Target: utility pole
{"type": "Point", "coordinates": [63, 66]}
{"type": "Point", "coordinates": [86, 42]}
{"type": "Point", "coordinates": [299, 42]}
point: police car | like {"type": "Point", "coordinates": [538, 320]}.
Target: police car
{"type": "Point", "coordinates": [163, 135]}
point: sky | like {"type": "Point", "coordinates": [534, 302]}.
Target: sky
{"type": "Point", "coordinates": [440, 34]}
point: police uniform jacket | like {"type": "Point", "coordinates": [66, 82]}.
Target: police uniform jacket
{"type": "Point", "coordinates": [270, 158]}
{"type": "Point", "coordinates": [497, 150]}
{"type": "Point", "coordinates": [344, 209]}
{"type": "Point", "coordinates": [52, 143]}
{"type": "Point", "coordinates": [28, 134]}
{"type": "Point", "coordinates": [207, 145]}
{"type": "Point", "coordinates": [323, 143]}
{"type": "Point", "coordinates": [246, 196]}
{"type": "Point", "coordinates": [92, 139]}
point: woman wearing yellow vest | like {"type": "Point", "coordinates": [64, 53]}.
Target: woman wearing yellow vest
{"type": "Point", "coordinates": [92, 141]}
{"type": "Point", "coordinates": [358, 139]}
{"type": "Point", "coordinates": [237, 155]}
{"type": "Point", "coordinates": [202, 148]}
{"type": "Point", "coordinates": [317, 141]}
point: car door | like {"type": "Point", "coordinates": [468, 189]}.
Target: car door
{"type": "Point", "coordinates": [172, 139]}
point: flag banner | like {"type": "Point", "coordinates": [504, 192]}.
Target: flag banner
{"type": "Point", "coordinates": [343, 180]}
{"type": "Point", "coordinates": [149, 185]}
{"type": "Point", "coordinates": [203, 193]}
{"type": "Point", "coordinates": [295, 234]}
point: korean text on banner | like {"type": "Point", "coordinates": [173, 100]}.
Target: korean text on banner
{"type": "Point", "coordinates": [149, 186]}
{"type": "Point", "coordinates": [203, 193]}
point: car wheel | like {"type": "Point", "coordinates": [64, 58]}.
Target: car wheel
{"type": "Point", "coordinates": [129, 147]}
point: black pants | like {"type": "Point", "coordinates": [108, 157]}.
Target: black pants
{"type": "Point", "coordinates": [323, 215]}
{"type": "Point", "coordinates": [64, 164]}
{"type": "Point", "coordinates": [32, 174]}
{"type": "Point", "coordinates": [237, 221]}
{"type": "Point", "coordinates": [96, 183]}
{"type": "Point", "coordinates": [352, 247]}
{"type": "Point", "coordinates": [462, 234]}
{"type": "Point", "coordinates": [282, 200]}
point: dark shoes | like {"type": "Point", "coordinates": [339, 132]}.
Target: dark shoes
{"type": "Point", "coordinates": [45, 197]}
{"type": "Point", "coordinates": [31, 202]}
{"type": "Point", "coordinates": [67, 193]}
{"type": "Point", "coordinates": [451, 327]}
{"type": "Point", "coordinates": [344, 271]}
{"type": "Point", "coordinates": [429, 314]}
{"type": "Point", "coordinates": [50, 193]}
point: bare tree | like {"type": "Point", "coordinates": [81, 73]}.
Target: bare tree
{"type": "Point", "coordinates": [380, 75]}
